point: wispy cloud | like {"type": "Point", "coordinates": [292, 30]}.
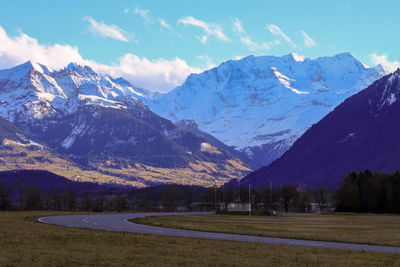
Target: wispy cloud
{"type": "Point", "coordinates": [237, 26]}
{"type": "Point", "coordinates": [248, 41]}
{"type": "Point", "coordinates": [145, 14]}
{"type": "Point", "coordinates": [205, 62]}
{"type": "Point", "coordinates": [211, 29]}
{"type": "Point", "coordinates": [308, 41]}
{"type": "Point", "coordinates": [275, 30]}
{"type": "Point", "coordinates": [388, 66]}
{"type": "Point", "coordinates": [254, 46]}
{"type": "Point", "coordinates": [159, 75]}
{"type": "Point", "coordinates": [99, 28]}
{"type": "Point", "coordinates": [164, 24]}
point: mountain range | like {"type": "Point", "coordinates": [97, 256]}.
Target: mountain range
{"type": "Point", "coordinates": [218, 125]}
{"type": "Point", "coordinates": [100, 123]}
{"type": "Point", "coordinates": [361, 133]}
{"type": "Point", "coordinates": [261, 104]}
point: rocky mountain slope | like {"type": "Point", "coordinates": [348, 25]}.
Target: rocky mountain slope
{"type": "Point", "coordinates": [100, 123]}
{"type": "Point", "coordinates": [261, 104]}
{"type": "Point", "coordinates": [361, 133]}
{"type": "Point", "coordinates": [17, 152]}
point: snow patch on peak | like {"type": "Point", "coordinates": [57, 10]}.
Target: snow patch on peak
{"type": "Point", "coordinates": [285, 81]}
{"type": "Point", "coordinates": [30, 65]}
{"type": "Point", "coordinates": [294, 57]}
{"type": "Point", "coordinates": [298, 57]}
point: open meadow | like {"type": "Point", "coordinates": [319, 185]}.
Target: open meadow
{"type": "Point", "coordinates": [371, 229]}
{"type": "Point", "coordinates": [26, 242]}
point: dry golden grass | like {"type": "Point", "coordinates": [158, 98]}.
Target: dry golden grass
{"type": "Point", "coordinates": [200, 173]}
{"type": "Point", "coordinates": [47, 160]}
{"type": "Point", "coordinates": [352, 228]}
{"type": "Point", "coordinates": [25, 242]}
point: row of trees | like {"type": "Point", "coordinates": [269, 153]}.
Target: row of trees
{"type": "Point", "coordinates": [166, 197]}
{"type": "Point", "coordinates": [368, 192]}
{"type": "Point", "coordinates": [32, 198]}
{"type": "Point", "coordinates": [358, 192]}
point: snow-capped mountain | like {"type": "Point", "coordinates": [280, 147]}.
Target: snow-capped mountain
{"type": "Point", "coordinates": [261, 104]}
{"type": "Point", "coordinates": [101, 123]}
{"type": "Point", "coordinates": [361, 133]}
{"type": "Point", "coordinates": [32, 90]}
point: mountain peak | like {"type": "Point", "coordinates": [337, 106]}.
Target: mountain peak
{"type": "Point", "coordinates": [297, 57]}
{"type": "Point", "coordinates": [261, 104]}
{"type": "Point", "coordinates": [73, 66]}
{"type": "Point", "coordinates": [31, 65]}
{"type": "Point", "coordinates": [344, 55]}
{"type": "Point", "coordinates": [348, 57]}
{"type": "Point", "coordinates": [81, 69]}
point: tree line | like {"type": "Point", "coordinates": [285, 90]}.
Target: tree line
{"type": "Point", "coordinates": [358, 192]}
{"type": "Point", "coordinates": [161, 198]}
{"type": "Point", "coordinates": [369, 192]}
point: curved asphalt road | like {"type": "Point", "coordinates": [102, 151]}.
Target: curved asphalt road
{"type": "Point", "coordinates": [119, 222]}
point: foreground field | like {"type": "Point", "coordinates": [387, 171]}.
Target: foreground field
{"type": "Point", "coordinates": [351, 228]}
{"type": "Point", "coordinates": [29, 243]}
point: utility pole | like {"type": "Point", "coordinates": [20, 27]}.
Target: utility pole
{"type": "Point", "coordinates": [272, 206]}
{"type": "Point", "coordinates": [215, 199]}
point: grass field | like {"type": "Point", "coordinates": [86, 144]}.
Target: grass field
{"type": "Point", "coordinates": [351, 228]}
{"type": "Point", "coordinates": [25, 242]}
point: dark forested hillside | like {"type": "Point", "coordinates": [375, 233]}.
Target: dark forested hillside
{"type": "Point", "coordinates": [361, 133]}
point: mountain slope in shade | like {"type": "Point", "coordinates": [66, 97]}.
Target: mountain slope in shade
{"type": "Point", "coordinates": [261, 104]}
{"type": "Point", "coordinates": [101, 123]}
{"type": "Point", "coordinates": [361, 133]}
{"type": "Point", "coordinates": [48, 182]}
{"type": "Point", "coordinates": [17, 152]}
{"type": "Point", "coordinates": [192, 127]}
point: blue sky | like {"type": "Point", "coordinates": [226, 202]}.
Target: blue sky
{"type": "Point", "coordinates": [156, 44]}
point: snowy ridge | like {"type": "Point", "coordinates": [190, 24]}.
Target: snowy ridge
{"type": "Point", "coordinates": [32, 90]}
{"type": "Point", "coordinates": [265, 100]}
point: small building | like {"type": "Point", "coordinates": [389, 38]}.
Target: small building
{"type": "Point", "coordinates": [238, 206]}
{"type": "Point", "coordinates": [314, 208]}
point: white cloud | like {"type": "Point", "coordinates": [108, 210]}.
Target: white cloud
{"type": "Point", "coordinates": [103, 30]}
{"type": "Point", "coordinates": [202, 39]}
{"type": "Point", "coordinates": [275, 30]}
{"type": "Point", "coordinates": [254, 46]}
{"type": "Point", "coordinates": [211, 29]}
{"type": "Point", "coordinates": [388, 66]}
{"type": "Point", "coordinates": [238, 57]}
{"type": "Point", "coordinates": [164, 24]}
{"type": "Point", "coordinates": [143, 13]}
{"type": "Point", "coordinates": [19, 49]}
{"type": "Point", "coordinates": [237, 26]}
{"type": "Point", "coordinates": [160, 75]}
{"type": "Point", "coordinates": [308, 41]}
{"type": "Point", "coordinates": [246, 39]}
{"type": "Point", "coordinates": [205, 62]}
{"type": "Point", "coordinates": [126, 11]}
